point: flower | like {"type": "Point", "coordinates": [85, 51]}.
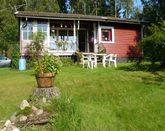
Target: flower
{"type": "Point", "coordinates": [61, 42]}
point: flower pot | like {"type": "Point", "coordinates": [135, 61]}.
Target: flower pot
{"type": "Point", "coordinates": [45, 80]}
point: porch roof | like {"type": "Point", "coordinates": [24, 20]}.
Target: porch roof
{"type": "Point", "coordinates": [62, 16]}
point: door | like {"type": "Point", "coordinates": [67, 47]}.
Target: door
{"type": "Point", "coordinates": [82, 40]}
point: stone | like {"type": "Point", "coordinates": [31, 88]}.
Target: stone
{"type": "Point", "coordinates": [4, 129]}
{"type": "Point", "coordinates": [13, 117]}
{"type": "Point", "coordinates": [15, 129]}
{"type": "Point", "coordinates": [23, 118]}
{"type": "Point", "coordinates": [24, 104]}
{"type": "Point", "coordinates": [39, 112]}
{"type": "Point", "coordinates": [34, 108]}
{"type": "Point", "coordinates": [8, 123]}
{"type": "Point", "coordinates": [31, 115]}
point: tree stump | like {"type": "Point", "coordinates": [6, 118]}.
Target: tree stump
{"type": "Point", "coordinates": [47, 92]}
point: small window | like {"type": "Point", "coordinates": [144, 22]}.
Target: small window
{"type": "Point", "coordinates": [106, 34]}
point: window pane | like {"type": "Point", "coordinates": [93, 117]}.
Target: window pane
{"type": "Point", "coordinates": [52, 46]}
{"type": "Point", "coordinates": [106, 34]}
{"type": "Point", "coordinates": [42, 26]}
{"type": "Point", "coordinates": [24, 27]}
{"type": "Point", "coordinates": [45, 28]}
{"type": "Point", "coordinates": [29, 35]}
{"type": "Point", "coordinates": [29, 26]}
{"type": "Point", "coordinates": [24, 35]}
{"type": "Point", "coordinates": [39, 27]}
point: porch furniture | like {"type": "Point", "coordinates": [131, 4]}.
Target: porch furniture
{"type": "Point", "coordinates": [89, 59]}
{"type": "Point", "coordinates": [93, 61]}
{"type": "Point", "coordinates": [85, 61]}
{"type": "Point", "coordinates": [103, 58]}
{"type": "Point", "coordinates": [111, 58]}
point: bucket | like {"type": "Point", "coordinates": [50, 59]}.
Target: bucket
{"type": "Point", "coordinates": [22, 64]}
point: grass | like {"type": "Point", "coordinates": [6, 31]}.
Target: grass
{"type": "Point", "coordinates": [109, 99]}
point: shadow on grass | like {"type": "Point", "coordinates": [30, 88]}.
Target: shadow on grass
{"type": "Point", "coordinates": [156, 78]}
{"type": "Point", "coordinates": [153, 68]}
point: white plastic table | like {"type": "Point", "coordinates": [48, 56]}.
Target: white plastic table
{"type": "Point", "coordinates": [103, 58]}
{"type": "Point", "coordinates": [96, 56]}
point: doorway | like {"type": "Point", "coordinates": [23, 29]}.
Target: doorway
{"type": "Point", "coordinates": [82, 40]}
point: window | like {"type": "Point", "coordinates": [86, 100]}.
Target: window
{"type": "Point", "coordinates": [27, 30]}
{"type": "Point", "coordinates": [42, 27]}
{"type": "Point", "coordinates": [28, 27]}
{"type": "Point", "coordinates": [106, 34]}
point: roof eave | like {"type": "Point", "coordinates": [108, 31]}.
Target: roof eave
{"type": "Point", "coordinates": [59, 16]}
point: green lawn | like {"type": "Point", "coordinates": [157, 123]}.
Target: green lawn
{"type": "Point", "coordinates": [108, 98]}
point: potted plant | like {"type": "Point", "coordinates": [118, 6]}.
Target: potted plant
{"type": "Point", "coordinates": [46, 68]}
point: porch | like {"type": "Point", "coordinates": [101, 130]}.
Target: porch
{"type": "Point", "coordinates": [62, 37]}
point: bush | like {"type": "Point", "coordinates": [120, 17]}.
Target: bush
{"type": "Point", "coordinates": [66, 116]}
{"type": "Point", "coordinates": [66, 61]}
{"type": "Point", "coordinates": [154, 44]}
{"type": "Point", "coordinates": [15, 57]}
{"type": "Point", "coordinates": [29, 62]}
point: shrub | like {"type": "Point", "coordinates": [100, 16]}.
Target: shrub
{"type": "Point", "coordinates": [66, 61]}
{"type": "Point", "coordinates": [154, 44]}
{"type": "Point", "coordinates": [36, 47]}
{"type": "Point", "coordinates": [15, 57]}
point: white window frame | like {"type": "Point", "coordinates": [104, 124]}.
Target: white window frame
{"type": "Point", "coordinates": [100, 34]}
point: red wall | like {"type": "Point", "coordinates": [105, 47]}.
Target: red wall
{"type": "Point", "coordinates": [126, 38]}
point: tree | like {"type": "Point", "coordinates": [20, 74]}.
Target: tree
{"type": "Point", "coordinates": [8, 32]}
{"type": "Point", "coordinates": [153, 10]}
{"type": "Point", "coordinates": [154, 43]}
{"type": "Point", "coordinates": [42, 5]}
{"type": "Point", "coordinates": [8, 28]}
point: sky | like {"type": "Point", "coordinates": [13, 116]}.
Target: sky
{"type": "Point", "coordinates": [138, 3]}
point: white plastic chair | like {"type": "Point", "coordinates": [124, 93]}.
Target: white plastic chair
{"type": "Point", "coordinates": [89, 60]}
{"type": "Point", "coordinates": [93, 61]}
{"type": "Point", "coordinates": [85, 61]}
{"type": "Point", "coordinates": [111, 58]}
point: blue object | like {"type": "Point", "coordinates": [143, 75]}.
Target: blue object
{"type": "Point", "coordinates": [22, 64]}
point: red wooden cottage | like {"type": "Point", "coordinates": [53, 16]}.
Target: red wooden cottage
{"type": "Point", "coordinates": [66, 33]}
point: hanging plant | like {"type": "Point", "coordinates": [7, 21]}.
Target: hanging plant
{"type": "Point", "coordinates": [61, 44]}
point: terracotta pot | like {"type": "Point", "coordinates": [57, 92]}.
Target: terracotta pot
{"type": "Point", "coordinates": [45, 80]}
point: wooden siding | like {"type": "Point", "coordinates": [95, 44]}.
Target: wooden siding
{"type": "Point", "coordinates": [126, 38]}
